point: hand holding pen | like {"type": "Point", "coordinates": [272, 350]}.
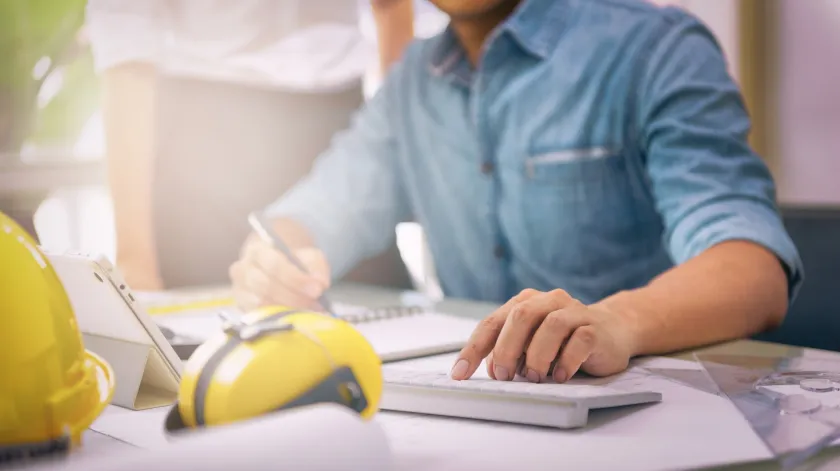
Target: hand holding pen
{"type": "Point", "coordinates": [269, 272]}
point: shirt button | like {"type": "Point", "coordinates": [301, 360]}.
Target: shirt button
{"type": "Point", "coordinates": [499, 251]}
{"type": "Point", "coordinates": [487, 168]}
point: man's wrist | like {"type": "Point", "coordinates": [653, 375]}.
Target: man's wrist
{"type": "Point", "coordinates": [622, 305]}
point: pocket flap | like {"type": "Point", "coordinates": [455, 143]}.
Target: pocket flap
{"type": "Point", "coordinates": [559, 157]}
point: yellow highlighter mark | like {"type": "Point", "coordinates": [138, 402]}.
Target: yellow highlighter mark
{"type": "Point", "coordinates": [176, 308]}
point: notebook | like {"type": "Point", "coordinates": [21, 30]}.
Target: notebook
{"type": "Point", "coordinates": [396, 333]}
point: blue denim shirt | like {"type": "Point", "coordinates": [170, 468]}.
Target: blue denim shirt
{"type": "Point", "coordinates": [597, 144]}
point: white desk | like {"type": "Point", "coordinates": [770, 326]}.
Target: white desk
{"type": "Point", "coordinates": [95, 444]}
{"type": "Point", "coordinates": [684, 430]}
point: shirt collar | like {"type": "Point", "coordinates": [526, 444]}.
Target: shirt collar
{"type": "Point", "coordinates": [446, 53]}
{"type": "Point", "coordinates": [536, 26]}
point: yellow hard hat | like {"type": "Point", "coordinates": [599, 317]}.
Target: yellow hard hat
{"type": "Point", "coordinates": [51, 388]}
{"type": "Point", "coordinates": [277, 358]}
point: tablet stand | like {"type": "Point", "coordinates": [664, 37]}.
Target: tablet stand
{"type": "Point", "coordinates": [143, 381]}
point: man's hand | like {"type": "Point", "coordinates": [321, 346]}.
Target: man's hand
{"type": "Point", "coordinates": [264, 276]}
{"type": "Point", "coordinates": [538, 334]}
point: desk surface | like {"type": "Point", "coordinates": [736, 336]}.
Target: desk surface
{"type": "Point", "coordinates": [372, 296]}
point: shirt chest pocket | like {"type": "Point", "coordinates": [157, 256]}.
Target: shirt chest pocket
{"type": "Point", "coordinates": [576, 206]}
{"type": "Point", "coordinates": [592, 175]}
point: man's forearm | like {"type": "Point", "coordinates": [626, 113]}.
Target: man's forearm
{"type": "Point", "coordinates": [129, 113]}
{"type": "Point", "coordinates": [394, 21]}
{"type": "Point", "coordinates": [733, 290]}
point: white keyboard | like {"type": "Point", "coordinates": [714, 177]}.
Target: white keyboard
{"type": "Point", "coordinates": [520, 402]}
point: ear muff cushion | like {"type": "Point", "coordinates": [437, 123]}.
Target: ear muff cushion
{"type": "Point", "coordinates": [333, 389]}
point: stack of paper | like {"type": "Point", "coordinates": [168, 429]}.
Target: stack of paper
{"type": "Point", "coordinates": [307, 439]}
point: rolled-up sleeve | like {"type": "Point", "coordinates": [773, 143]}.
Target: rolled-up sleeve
{"type": "Point", "coordinates": [708, 184]}
{"type": "Point", "coordinates": [123, 31]}
{"type": "Point", "coordinates": [353, 198]}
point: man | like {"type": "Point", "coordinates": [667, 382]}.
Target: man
{"type": "Point", "coordinates": [205, 97]}
{"type": "Point", "coordinates": [585, 163]}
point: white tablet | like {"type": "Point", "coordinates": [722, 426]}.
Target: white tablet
{"type": "Point", "coordinates": [115, 326]}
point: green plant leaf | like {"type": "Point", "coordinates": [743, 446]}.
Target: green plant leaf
{"type": "Point", "coordinates": [29, 31]}
{"type": "Point", "coordinates": [61, 121]}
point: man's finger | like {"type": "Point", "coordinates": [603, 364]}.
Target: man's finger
{"type": "Point", "coordinates": [523, 296]}
{"type": "Point", "coordinates": [484, 337]}
{"type": "Point", "coordinates": [478, 347]}
{"type": "Point", "coordinates": [251, 251]}
{"type": "Point", "coordinates": [245, 300]}
{"type": "Point", "coordinates": [256, 281]}
{"type": "Point", "coordinates": [280, 295]}
{"type": "Point", "coordinates": [489, 363]}
{"type": "Point", "coordinates": [577, 350]}
{"type": "Point", "coordinates": [521, 322]}
{"type": "Point", "coordinates": [268, 292]}
{"type": "Point", "coordinates": [316, 264]}
{"type": "Point", "coordinates": [311, 285]}
{"type": "Point", "coordinates": [550, 335]}
{"type": "Point", "coordinates": [281, 271]}
{"type": "Point", "coordinates": [235, 272]}
{"type": "Point", "coordinates": [260, 255]}
{"type": "Point", "coordinates": [520, 364]}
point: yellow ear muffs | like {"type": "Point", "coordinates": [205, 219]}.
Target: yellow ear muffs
{"type": "Point", "coordinates": [275, 359]}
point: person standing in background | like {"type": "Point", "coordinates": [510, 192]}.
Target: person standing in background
{"type": "Point", "coordinates": [210, 107]}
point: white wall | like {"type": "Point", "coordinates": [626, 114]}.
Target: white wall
{"type": "Point", "coordinates": [809, 101]}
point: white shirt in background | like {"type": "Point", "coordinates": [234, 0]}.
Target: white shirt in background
{"type": "Point", "coordinates": [303, 45]}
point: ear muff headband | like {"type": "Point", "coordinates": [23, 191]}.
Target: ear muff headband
{"type": "Point", "coordinates": [206, 375]}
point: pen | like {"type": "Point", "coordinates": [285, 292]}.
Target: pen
{"type": "Point", "coordinates": [261, 227]}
